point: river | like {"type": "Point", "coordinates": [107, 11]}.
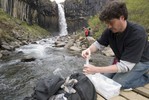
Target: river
{"type": "Point", "coordinates": [17, 79]}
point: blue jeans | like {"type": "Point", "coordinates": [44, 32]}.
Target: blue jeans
{"type": "Point", "coordinates": [137, 77]}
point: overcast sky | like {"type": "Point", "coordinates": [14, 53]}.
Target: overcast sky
{"type": "Point", "coordinates": [58, 0]}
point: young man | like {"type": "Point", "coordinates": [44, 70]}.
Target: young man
{"type": "Point", "coordinates": [130, 44]}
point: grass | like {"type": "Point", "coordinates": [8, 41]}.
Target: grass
{"type": "Point", "coordinates": [139, 12]}
{"type": "Point", "coordinates": [35, 30]}
{"type": "Point", "coordinates": [8, 24]}
{"type": "Point", "coordinates": [96, 25]}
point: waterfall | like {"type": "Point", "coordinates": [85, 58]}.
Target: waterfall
{"type": "Point", "coordinates": [62, 20]}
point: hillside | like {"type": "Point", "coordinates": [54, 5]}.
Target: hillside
{"type": "Point", "coordinates": [12, 29]}
{"type": "Point", "coordinates": [138, 13]}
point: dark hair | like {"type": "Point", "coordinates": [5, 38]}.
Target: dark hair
{"type": "Point", "coordinates": [113, 10]}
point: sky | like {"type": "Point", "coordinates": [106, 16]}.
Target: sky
{"type": "Point", "coordinates": [58, 0]}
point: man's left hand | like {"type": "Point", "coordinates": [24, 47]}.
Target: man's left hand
{"type": "Point", "coordinates": [89, 69]}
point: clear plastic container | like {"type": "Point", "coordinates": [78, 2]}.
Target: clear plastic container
{"type": "Point", "coordinates": [105, 86]}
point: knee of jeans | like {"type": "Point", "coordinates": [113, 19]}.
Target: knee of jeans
{"type": "Point", "coordinates": [124, 83]}
{"type": "Point", "coordinates": [140, 67]}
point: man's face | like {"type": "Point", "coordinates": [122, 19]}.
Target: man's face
{"type": "Point", "coordinates": [116, 25]}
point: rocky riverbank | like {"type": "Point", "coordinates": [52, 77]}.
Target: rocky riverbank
{"type": "Point", "coordinates": [15, 33]}
{"type": "Point", "coordinates": [79, 43]}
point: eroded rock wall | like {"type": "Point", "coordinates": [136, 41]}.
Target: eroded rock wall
{"type": "Point", "coordinates": [42, 12]}
{"type": "Point", "coordinates": [78, 11]}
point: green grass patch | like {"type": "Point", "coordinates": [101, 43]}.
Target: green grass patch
{"type": "Point", "coordinates": [35, 30]}
{"type": "Point", "coordinates": [8, 24]}
{"type": "Point", "coordinates": [3, 16]}
{"type": "Point", "coordinates": [138, 12]}
{"type": "Point", "coordinates": [96, 25]}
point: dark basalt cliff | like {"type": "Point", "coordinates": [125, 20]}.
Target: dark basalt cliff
{"type": "Point", "coordinates": [78, 11]}
{"type": "Point", "coordinates": [42, 12]}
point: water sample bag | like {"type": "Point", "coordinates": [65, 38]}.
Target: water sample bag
{"type": "Point", "coordinates": [105, 86]}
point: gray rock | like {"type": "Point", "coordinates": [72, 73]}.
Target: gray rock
{"type": "Point", "coordinates": [6, 47]}
{"type": "Point", "coordinates": [28, 59]}
{"type": "Point", "coordinates": [70, 43]}
{"type": "Point", "coordinates": [60, 44]}
{"type": "Point", "coordinates": [15, 44]}
{"type": "Point", "coordinates": [108, 52]}
{"type": "Point", "coordinates": [5, 52]}
{"type": "Point", "coordinates": [90, 39]}
{"type": "Point", "coordinates": [1, 55]}
{"type": "Point", "coordinates": [75, 48]}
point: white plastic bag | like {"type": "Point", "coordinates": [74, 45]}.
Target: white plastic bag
{"type": "Point", "coordinates": [104, 85]}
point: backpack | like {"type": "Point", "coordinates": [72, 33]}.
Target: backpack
{"type": "Point", "coordinates": [53, 88]}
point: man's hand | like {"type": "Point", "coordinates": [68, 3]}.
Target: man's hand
{"type": "Point", "coordinates": [89, 69]}
{"type": "Point", "coordinates": [86, 53]}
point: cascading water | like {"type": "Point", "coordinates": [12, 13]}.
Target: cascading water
{"type": "Point", "coordinates": [62, 20]}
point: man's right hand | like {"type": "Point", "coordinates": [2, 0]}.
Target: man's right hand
{"type": "Point", "coordinates": [86, 53]}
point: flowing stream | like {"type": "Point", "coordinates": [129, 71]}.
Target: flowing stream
{"type": "Point", "coordinates": [17, 78]}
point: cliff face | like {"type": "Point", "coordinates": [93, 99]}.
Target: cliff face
{"type": "Point", "coordinates": [78, 11]}
{"type": "Point", "coordinates": [82, 8]}
{"type": "Point", "coordinates": [42, 12]}
{"type": "Point", "coordinates": [45, 12]}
